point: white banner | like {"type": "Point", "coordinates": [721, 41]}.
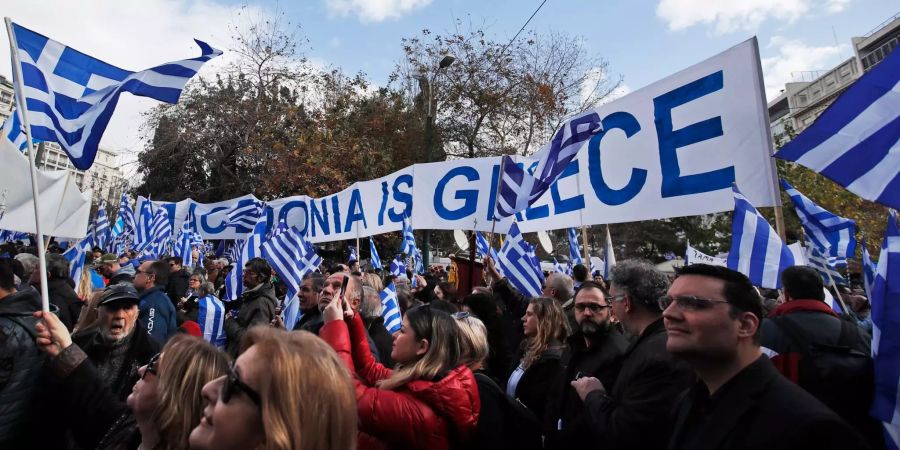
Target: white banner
{"type": "Point", "coordinates": [694, 256]}
{"type": "Point", "coordinates": [671, 149]}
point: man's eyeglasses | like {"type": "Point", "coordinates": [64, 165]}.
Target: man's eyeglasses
{"type": "Point", "coordinates": [616, 298]}
{"type": "Point", "coordinates": [233, 384]}
{"type": "Point", "coordinates": [594, 307]}
{"type": "Point", "coordinates": [687, 302]}
{"type": "Point", "coordinates": [151, 366]}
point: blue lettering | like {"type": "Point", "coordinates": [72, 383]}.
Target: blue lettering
{"type": "Point", "coordinates": [336, 213]}
{"type": "Point", "coordinates": [384, 199]}
{"type": "Point", "coordinates": [286, 210]}
{"type": "Point", "coordinates": [210, 229]}
{"type": "Point", "coordinates": [319, 218]}
{"type": "Point", "coordinates": [469, 196]}
{"type": "Point", "coordinates": [627, 123]}
{"type": "Point", "coordinates": [403, 197]}
{"type": "Point", "coordinates": [534, 211]}
{"type": "Point", "coordinates": [355, 211]}
{"type": "Point", "coordinates": [670, 140]}
{"type": "Point", "coordinates": [564, 205]}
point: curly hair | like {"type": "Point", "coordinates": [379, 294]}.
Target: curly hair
{"type": "Point", "coordinates": [643, 282]}
{"type": "Point", "coordinates": [552, 327]}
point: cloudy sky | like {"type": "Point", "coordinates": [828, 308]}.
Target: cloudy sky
{"type": "Point", "coordinates": [644, 40]}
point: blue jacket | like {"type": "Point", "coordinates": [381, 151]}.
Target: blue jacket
{"type": "Point", "coordinates": [157, 314]}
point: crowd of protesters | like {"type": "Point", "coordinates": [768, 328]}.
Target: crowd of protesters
{"type": "Point", "coordinates": [146, 354]}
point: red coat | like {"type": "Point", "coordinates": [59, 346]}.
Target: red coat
{"type": "Point", "coordinates": [420, 415]}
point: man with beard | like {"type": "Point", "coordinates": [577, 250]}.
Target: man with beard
{"type": "Point", "coordinates": [117, 345]}
{"type": "Point", "coordinates": [595, 349]}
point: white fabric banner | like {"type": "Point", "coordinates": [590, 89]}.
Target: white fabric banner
{"type": "Point", "coordinates": [694, 256]}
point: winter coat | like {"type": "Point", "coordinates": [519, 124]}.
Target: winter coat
{"type": "Point", "coordinates": [141, 347]}
{"type": "Point", "coordinates": [64, 297]}
{"type": "Point", "coordinates": [566, 422]}
{"type": "Point", "coordinates": [757, 409]}
{"type": "Point", "coordinates": [642, 398]}
{"type": "Point", "coordinates": [533, 389]}
{"type": "Point", "coordinates": [311, 321]}
{"type": "Point", "coordinates": [157, 314]}
{"type": "Point", "coordinates": [177, 286]}
{"type": "Point", "coordinates": [423, 414]}
{"type": "Point", "coordinates": [20, 365]}
{"type": "Point", "coordinates": [257, 308]}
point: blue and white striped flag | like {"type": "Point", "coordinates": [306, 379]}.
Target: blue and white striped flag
{"type": "Point", "coordinates": [292, 258]}
{"type": "Point", "coordinates": [483, 247]}
{"type": "Point", "coordinates": [519, 189]}
{"type": "Point", "coordinates": [183, 244]}
{"type": "Point", "coordinates": [13, 130]}
{"type": "Point", "coordinates": [8, 236]}
{"type": "Point", "coordinates": [558, 267]}
{"type": "Point", "coordinates": [76, 255]}
{"type": "Point", "coordinates": [832, 234]}
{"type": "Point", "coordinates": [518, 265]}
{"type": "Point", "coordinates": [245, 214]}
{"type": "Point", "coordinates": [354, 254]}
{"type": "Point", "coordinates": [868, 269]}
{"type": "Point", "coordinates": [408, 246]}
{"type": "Point", "coordinates": [854, 142]}
{"type": "Point", "coordinates": [756, 249]}
{"type": "Point", "coordinates": [398, 266]}
{"type": "Point", "coordinates": [160, 234]}
{"type": "Point", "coordinates": [574, 247]}
{"type": "Point", "coordinates": [211, 318]}
{"type": "Point", "coordinates": [70, 96]}
{"type": "Point", "coordinates": [249, 249]}
{"type": "Point", "coordinates": [535, 262]}
{"type": "Point", "coordinates": [609, 256]}
{"type": "Point", "coordinates": [125, 217]}
{"type": "Point", "coordinates": [373, 256]}
{"type": "Point", "coordinates": [827, 266]}
{"type": "Point", "coordinates": [143, 221]}
{"type": "Point", "coordinates": [234, 251]}
{"type": "Point", "coordinates": [886, 334]}
{"type": "Point", "coordinates": [275, 231]}
{"type": "Point", "coordinates": [390, 309]}
{"type": "Point", "coordinates": [101, 227]}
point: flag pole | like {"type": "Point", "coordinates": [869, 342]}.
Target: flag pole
{"type": "Point", "coordinates": [23, 117]}
{"type": "Point", "coordinates": [584, 240]}
{"type": "Point", "coordinates": [496, 202]}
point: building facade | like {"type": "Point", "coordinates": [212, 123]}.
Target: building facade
{"type": "Point", "coordinates": [104, 177]}
{"type": "Point", "coordinates": [801, 102]}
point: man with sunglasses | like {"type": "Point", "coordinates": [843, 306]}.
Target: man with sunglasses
{"type": "Point", "coordinates": [712, 316]}
{"type": "Point", "coordinates": [595, 349]}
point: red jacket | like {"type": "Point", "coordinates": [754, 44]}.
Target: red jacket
{"type": "Point", "coordinates": [420, 415]}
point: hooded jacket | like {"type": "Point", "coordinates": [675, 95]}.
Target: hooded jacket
{"type": "Point", "coordinates": [423, 414]}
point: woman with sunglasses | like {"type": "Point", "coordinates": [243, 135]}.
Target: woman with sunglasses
{"type": "Point", "coordinates": [429, 401]}
{"type": "Point", "coordinates": [538, 361]}
{"type": "Point", "coordinates": [286, 390]}
{"type": "Point", "coordinates": [161, 411]}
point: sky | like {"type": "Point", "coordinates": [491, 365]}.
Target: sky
{"type": "Point", "coordinates": [643, 40]}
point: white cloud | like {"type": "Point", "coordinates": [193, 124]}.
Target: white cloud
{"type": "Point", "coordinates": [374, 10]}
{"type": "Point", "coordinates": [134, 36]}
{"type": "Point", "coordinates": [733, 15]}
{"type": "Point", "coordinates": [793, 56]}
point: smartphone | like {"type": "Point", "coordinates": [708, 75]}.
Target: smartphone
{"type": "Point", "coordinates": [343, 288]}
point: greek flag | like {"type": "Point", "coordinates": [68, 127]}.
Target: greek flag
{"type": "Point", "coordinates": [535, 262]}
{"type": "Point", "coordinates": [211, 318]}
{"type": "Point", "coordinates": [249, 249]}
{"type": "Point", "coordinates": [101, 227]}
{"type": "Point", "coordinates": [886, 333]}
{"type": "Point", "coordinates": [869, 269]}
{"type": "Point", "coordinates": [756, 250]}
{"type": "Point", "coordinates": [390, 309]}
{"type": "Point", "coordinates": [574, 248]}
{"type": "Point", "coordinates": [855, 141]}
{"type": "Point", "coordinates": [519, 189]}
{"type": "Point", "coordinates": [354, 255]}
{"type": "Point", "coordinates": [398, 266]}
{"type": "Point", "coordinates": [518, 265]}
{"type": "Point", "coordinates": [558, 267]}
{"type": "Point", "coordinates": [291, 257]}
{"type": "Point", "coordinates": [125, 218]}
{"type": "Point", "coordinates": [234, 251]}
{"type": "Point", "coordinates": [184, 243]}
{"type": "Point", "coordinates": [827, 266]}
{"type": "Point", "coordinates": [76, 255]}
{"type": "Point", "coordinates": [245, 214]}
{"type": "Point", "coordinates": [609, 256]}
{"type": "Point", "coordinates": [12, 130]}
{"type": "Point", "coordinates": [373, 256]}
{"type": "Point", "coordinates": [142, 225]}
{"type": "Point", "coordinates": [7, 236]}
{"type": "Point", "coordinates": [160, 234]}
{"type": "Point", "coordinates": [483, 247]}
{"type": "Point", "coordinates": [408, 246]}
{"type": "Point", "coordinates": [71, 96]}
{"type": "Point", "coordinates": [833, 235]}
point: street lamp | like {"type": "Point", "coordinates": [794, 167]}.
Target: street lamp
{"type": "Point", "coordinates": [425, 84]}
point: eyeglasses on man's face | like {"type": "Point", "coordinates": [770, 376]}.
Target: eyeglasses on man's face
{"type": "Point", "coordinates": [594, 307]}
{"type": "Point", "coordinates": [687, 302]}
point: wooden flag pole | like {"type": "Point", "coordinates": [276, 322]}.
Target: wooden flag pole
{"type": "Point", "coordinates": [496, 202]}
{"type": "Point", "coordinates": [584, 243]}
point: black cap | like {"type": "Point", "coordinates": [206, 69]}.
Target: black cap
{"type": "Point", "coordinates": [119, 293]}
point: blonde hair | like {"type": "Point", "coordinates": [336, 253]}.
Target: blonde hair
{"type": "Point", "coordinates": [308, 401]}
{"type": "Point", "coordinates": [373, 280]}
{"type": "Point", "coordinates": [89, 315]}
{"type": "Point", "coordinates": [552, 328]}
{"type": "Point", "coordinates": [187, 365]}
{"type": "Point", "coordinates": [442, 334]}
{"type": "Point", "coordinates": [473, 343]}
{"type": "Point", "coordinates": [86, 286]}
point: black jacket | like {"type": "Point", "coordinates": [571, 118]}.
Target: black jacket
{"type": "Point", "coordinates": [566, 421]}
{"type": "Point", "coordinates": [758, 409]}
{"type": "Point", "coordinates": [383, 340]}
{"type": "Point", "coordinates": [533, 389]}
{"type": "Point", "coordinates": [311, 321]}
{"type": "Point", "coordinates": [177, 286]}
{"type": "Point", "coordinates": [20, 365]}
{"type": "Point", "coordinates": [64, 297]}
{"type": "Point", "coordinates": [257, 308]}
{"type": "Point", "coordinates": [141, 348]}
{"type": "Point", "coordinates": [642, 398]}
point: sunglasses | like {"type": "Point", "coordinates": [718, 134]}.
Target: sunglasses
{"type": "Point", "coordinates": [233, 384]}
{"type": "Point", "coordinates": [151, 366]}
{"type": "Point", "coordinates": [594, 307]}
{"type": "Point", "coordinates": [687, 302]}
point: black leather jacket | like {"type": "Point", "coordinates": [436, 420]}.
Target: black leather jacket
{"type": "Point", "coordinates": [20, 365]}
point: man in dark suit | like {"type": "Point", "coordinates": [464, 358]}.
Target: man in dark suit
{"type": "Point", "coordinates": [650, 379]}
{"type": "Point", "coordinates": [712, 317]}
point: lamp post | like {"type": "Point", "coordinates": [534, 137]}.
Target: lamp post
{"type": "Point", "coordinates": [426, 84]}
